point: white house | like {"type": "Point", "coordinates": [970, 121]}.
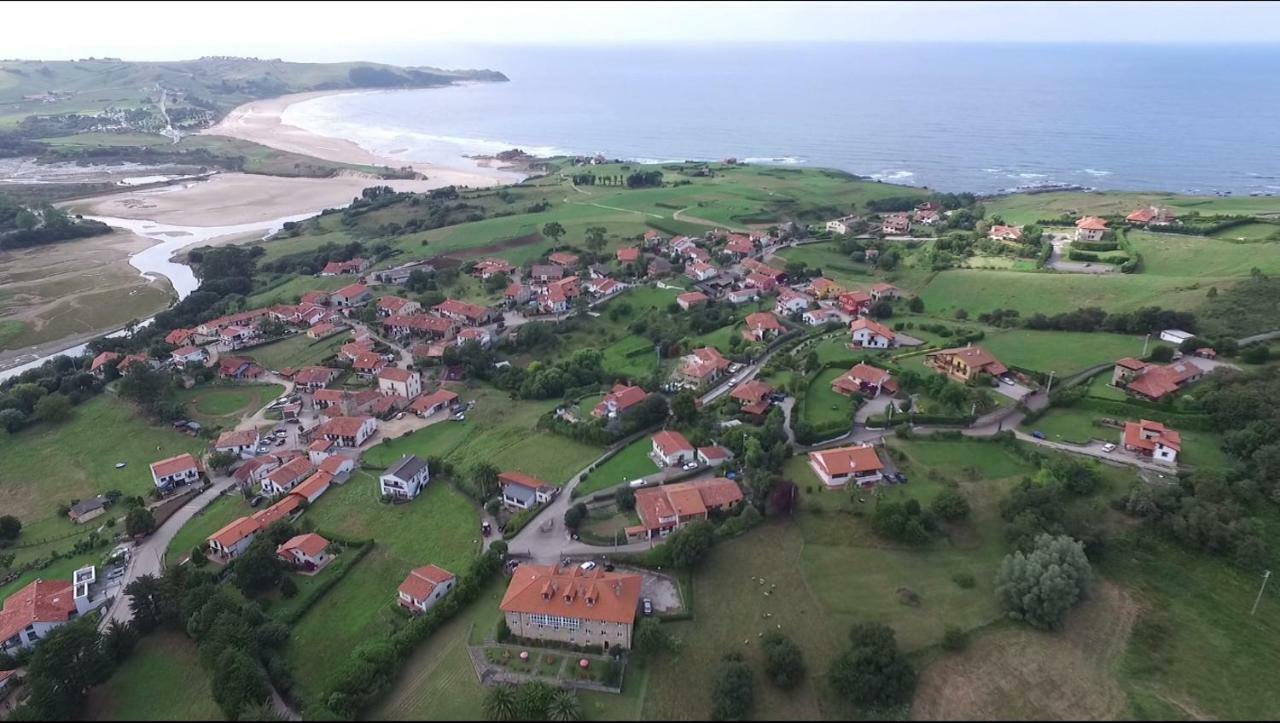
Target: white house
{"type": "Point", "coordinates": [405, 479]}
{"type": "Point", "coordinates": [394, 380]}
{"type": "Point", "coordinates": [839, 467]}
{"type": "Point", "coordinates": [286, 477]}
{"type": "Point", "coordinates": [348, 431]}
{"type": "Point", "coordinates": [1090, 228]}
{"type": "Point", "coordinates": [424, 587]}
{"type": "Point", "coordinates": [174, 471]}
{"type": "Point", "coordinates": [1152, 439]}
{"type": "Point", "coordinates": [241, 443]}
{"type": "Point", "coordinates": [791, 301]}
{"type": "Point", "coordinates": [672, 449]}
{"type": "Point", "coordinates": [189, 355]}
{"type": "Point", "coordinates": [1175, 336]}
{"type": "Point", "coordinates": [522, 491]}
{"type": "Point", "coordinates": [306, 552]}
{"type": "Point", "coordinates": [868, 334]}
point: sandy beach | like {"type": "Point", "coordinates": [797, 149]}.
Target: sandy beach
{"type": "Point", "coordinates": [262, 122]}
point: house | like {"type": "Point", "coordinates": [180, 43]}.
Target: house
{"type": "Point", "coordinates": [603, 286]}
{"type": "Point", "coordinates": [762, 326]}
{"type": "Point", "coordinates": [742, 296]}
{"type": "Point", "coordinates": [489, 267]}
{"type": "Point", "coordinates": [179, 337]}
{"type": "Point", "coordinates": [964, 364]}
{"type": "Point", "coordinates": [399, 275]}
{"type": "Point", "coordinates": [518, 293]}
{"type": "Point", "coordinates": [700, 271]}
{"type": "Point", "coordinates": [315, 485]}
{"type": "Point", "coordinates": [628, 255]}
{"type": "Point", "coordinates": [237, 367]}
{"type": "Point", "coordinates": [352, 296]}
{"type": "Point", "coordinates": [864, 379]}
{"type": "Point", "coordinates": [234, 337]}
{"type": "Point", "coordinates": [739, 245]}
{"type": "Point", "coordinates": [322, 330]}
{"type": "Point", "coordinates": [102, 362]}
{"type": "Point", "coordinates": [405, 479]}
{"type": "Point", "coordinates": [818, 317]}
{"type": "Point", "coordinates": [1151, 216]}
{"type": "Point", "coordinates": [305, 552]}
{"type": "Point", "coordinates": [663, 510]}
{"type": "Point", "coordinates": [338, 467]}
{"type": "Point", "coordinates": [234, 538]}
{"type": "Point", "coordinates": [859, 464]}
{"type": "Point", "coordinates": [240, 443]}
{"type": "Point", "coordinates": [255, 470]}
{"type": "Point", "coordinates": [522, 491]}
{"type": "Point", "coordinates": [571, 605]}
{"type": "Point", "coordinates": [30, 614]}
{"type": "Point", "coordinates": [714, 456]}
{"type": "Point", "coordinates": [855, 302]}
{"type": "Point", "coordinates": [319, 298]}
{"type": "Point", "coordinates": [703, 366]}
{"type": "Point", "coordinates": [754, 396]}
{"type": "Point", "coordinates": [671, 449]}
{"type": "Point", "coordinates": [621, 398]}
{"type": "Point", "coordinates": [313, 378]}
{"type": "Point", "coordinates": [398, 306]}
{"type": "Point", "coordinates": [180, 470]}
{"type": "Point", "coordinates": [436, 401]}
{"type": "Point", "coordinates": [759, 267]}
{"type": "Point", "coordinates": [544, 273]}
{"type": "Point", "coordinates": [691, 299]}
{"type": "Point", "coordinates": [1175, 336]}
{"type": "Point", "coordinates": [896, 224]}
{"type": "Point", "coordinates": [790, 302]}
{"type": "Point", "coordinates": [462, 312]}
{"type": "Point", "coordinates": [424, 587]}
{"type": "Point", "coordinates": [651, 238]}
{"type": "Point", "coordinates": [563, 258]}
{"type": "Point", "coordinates": [419, 325]}
{"type": "Point", "coordinates": [871, 334]}
{"type": "Point", "coordinates": [659, 268]}
{"type": "Point", "coordinates": [386, 405]}
{"type": "Point", "coordinates": [243, 318]}
{"type": "Point", "coordinates": [1152, 439]}
{"type": "Point", "coordinates": [885, 292]}
{"type": "Point", "coordinates": [189, 355]}
{"type": "Point", "coordinates": [843, 225]}
{"type": "Point", "coordinates": [403, 382]}
{"type": "Point", "coordinates": [85, 510]}
{"type": "Point", "coordinates": [287, 476]}
{"type": "Point", "coordinates": [928, 215]}
{"type": "Point", "coordinates": [824, 288]}
{"type": "Point", "coordinates": [348, 431]}
{"type": "Point", "coordinates": [999, 232]}
{"type": "Point", "coordinates": [1090, 228]}
{"type": "Point", "coordinates": [1154, 381]}
{"type": "Point", "coordinates": [339, 268]}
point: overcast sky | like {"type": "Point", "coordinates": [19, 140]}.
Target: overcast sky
{"type": "Point", "coordinates": [319, 31]}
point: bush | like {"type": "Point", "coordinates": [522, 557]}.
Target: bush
{"type": "Point", "coordinates": [872, 671]}
{"type": "Point", "coordinates": [954, 639]}
{"type": "Point", "coordinates": [783, 660]}
{"type": "Point", "coordinates": [965, 580]}
{"type": "Point", "coordinates": [731, 691]}
{"type": "Point", "coordinates": [950, 505]}
{"type": "Point", "coordinates": [1039, 588]}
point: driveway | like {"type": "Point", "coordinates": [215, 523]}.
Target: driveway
{"type": "Point", "coordinates": [1056, 263]}
{"type": "Point", "coordinates": [1014, 391]}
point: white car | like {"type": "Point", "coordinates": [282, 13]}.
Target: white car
{"type": "Point", "coordinates": [690, 465]}
{"type": "Point", "coordinates": [1006, 380]}
{"type": "Point", "coordinates": [587, 566]}
{"type": "Point", "coordinates": [1108, 447]}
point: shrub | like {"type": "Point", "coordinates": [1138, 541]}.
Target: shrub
{"type": "Point", "coordinates": [954, 639]}
{"type": "Point", "coordinates": [950, 505]}
{"type": "Point", "coordinates": [872, 671]}
{"type": "Point", "coordinates": [1039, 588]}
{"type": "Point", "coordinates": [965, 580]}
{"type": "Point", "coordinates": [731, 691]}
{"type": "Point", "coordinates": [783, 660]}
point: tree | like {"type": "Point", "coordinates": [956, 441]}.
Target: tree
{"type": "Point", "coordinates": [10, 527]}
{"type": "Point", "coordinates": [148, 602]}
{"type": "Point", "coordinates": [625, 498]}
{"type": "Point", "coordinates": [596, 238]}
{"type": "Point", "coordinates": [500, 703]}
{"type": "Point", "coordinates": [118, 641]}
{"type": "Point", "coordinates": [139, 522]}
{"type": "Point", "coordinates": [685, 406]}
{"type": "Point", "coordinates": [53, 408]}
{"type": "Point", "coordinates": [954, 638]}
{"type": "Point", "coordinates": [872, 671]}
{"type": "Point", "coordinates": [731, 691]}
{"type": "Point", "coordinates": [950, 505]}
{"type": "Point", "coordinates": [238, 682]}
{"type": "Point", "coordinates": [564, 706]}
{"type": "Point", "coordinates": [288, 588]}
{"type": "Point", "coordinates": [1040, 587]}
{"type": "Point", "coordinates": [575, 516]}
{"type": "Point", "coordinates": [916, 304]}
{"type": "Point", "coordinates": [783, 660]}
{"type": "Point", "coordinates": [485, 478]}
{"type": "Point", "coordinates": [553, 230]}
{"type": "Point", "coordinates": [12, 420]}
{"type": "Point", "coordinates": [68, 662]}
{"type": "Point", "coordinates": [689, 546]}
{"type": "Point", "coordinates": [533, 700]}
{"type": "Point", "coordinates": [259, 568]}
{"type": "Point", "coordinates": [651, 638]}
{"type": "Point", "coordinates": [198, 558]}
{"type": "Point", "coordinates": [221, 461]}
{"type": "Point", "coordinates": [1162, 354]}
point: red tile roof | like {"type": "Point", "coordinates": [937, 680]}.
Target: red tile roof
{"type": "Point", "coordinates": [670, 442]}
{"type": "Point", "coordinates": [422, 581]}
{"type": "Point", "coordinates": [235, 531]}
{"type": "Point", "coordinates": [685, 499]}
{"type": "Point", "coordinates": [314, 485]}
{"type": "Point", "coordinates": [395, 374]}
{"type": "Point", "coordinates": [521, 479]}
{"type": "Point", "coordinates": [862, 322]}
{"type": "Point", "coordinates": [752, 391]}
{"type": "Point", "coordinates": [1092, 223]}
{"type": "Point", "coordinates": [243, 438]}
{"type": "Point", "coordinates": [765, 321]}
{"type": "Point", "coordinates": [342, 426]}
{"type": "Point", "coordinates": [1134, 435]}
{"type": "Point", "coordinates": [173, 465]}
{"type": "Point", "coordinates": [309, 544]}
{"type": "Point", "coordinates": [351, 292]}
{"type": "Point", "coordinates": [42, 601]}
{"type": "Point", "coordinates": [844, 460]}
{"type": "Point", "coordinates": [460, 308]}
{"type": "Point", "coordinates": [692, 297]}
{"type": "Point", "coordinates": [705, 361]}
{"type": "Point", "coordinates": [628, 255]}
{"type": "Point", "coordinates": [573, 593]}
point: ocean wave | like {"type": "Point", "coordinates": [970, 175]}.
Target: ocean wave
{"type": "Point", "coordinates": [404, 143]}
{"type": "Point", "coordinates": [777, 160]}
{"type": "Point", "coordinates": [655, 161]}
{"type": "Point", "coordinates": [1096, 172]}
{"type": "Point", "coordinates": [892, 175]}
{"type": "Point", "coordinates": [1028, 175]}
{"type": "Point", "coordinates": [993, 170]}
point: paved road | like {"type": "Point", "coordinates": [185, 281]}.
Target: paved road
{"type": "Point", "coordinates": [1056, 263]}
{"type": "Point", "coordinates": [1265, 336]}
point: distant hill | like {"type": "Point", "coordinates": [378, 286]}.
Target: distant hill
{"type": "Point", "coordinates": [50, 98]}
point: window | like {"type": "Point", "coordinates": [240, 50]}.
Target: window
{"type": "Point", "coordinates": [555, 622]}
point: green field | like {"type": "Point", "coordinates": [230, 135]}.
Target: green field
{"type": "Point", "coordinates": [1064, 352]}
{"type": "Point", "coordinates": [225, 404]}
{"type": "Point", "coordinates": [297, 351]}
{"type": "Point", "coordinates": [1027, 208]}
{"type": "Point", "coordinates": [221, 512]}
{"type": "Point", "coordinates": [1078, 426]}
{"type": "Point", "coordinates": [631, 463]}
{"type": "Point", "coordinates": [634, 357]}
{"type": "Point", "coordinates": [292, 289]}
{"type": "Point", "coordinates": [822, 406]}
{"type": "Point", "coordinates": [161, 680]}
{"type": "Point", "coordinates": [1249, 232]}
{"type": "Point", "coordinates": [836, 266]}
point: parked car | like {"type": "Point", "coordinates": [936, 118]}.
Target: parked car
{"type": "Point", "coordinates": [1108, 447]}
{"type": "Point", "coordinates": [587, 566]}
{"type": "Point", "coordinates": [255, 501]}
{"type": "Point", "coordinates": [1007, 380]}
{"type": "Point", "coordinates": [647, 606]}
{"type": "Point", "coordinates": [608, 567]}
{"type": "Point", "coordinates": [485, 529]}
{"type": "Point", "coordinates": [1038, 434]}
{"type": "Point", "coordinates": [399, 415]}
{"type": "Point", "coordinates": [690, 465]}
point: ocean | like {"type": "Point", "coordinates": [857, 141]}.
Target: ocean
{"type": "Point", "coordinates": [982, 118]}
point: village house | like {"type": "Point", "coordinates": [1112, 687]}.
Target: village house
{"type": "Point", "coordinates": [287, 476]}
{"type": "Point", "coordinates": [405, 479]}
{"type": "Point", "coordinates": [671, 449]}
{"type": "Point", "coordinates": [885, 292]}
{"type": "Point", "coordinates": [255, 470]}
{"type": "Point", "coordinates": [348, 431]}
{"type": "Point", "coordinates": [714, 455]}
{"type": "Point", "coordinates": [603, 286]}
{"type": "Point", "coordinates": [240, 443]}
{"type": "Point", "coordinates": [855, 302]}
{"type": "Point", "coordinates": [238, 367]}
{"type": "Point", "coordinates": [703, 366]}
{"type": "Point", "coordinates": [1090, 228]}
{"type": "Point", "coordinates": [790, 302]}
{"type": "Point", "coordinates": [403, 382]}
{"type": "Point", "coordinates": [744, 295]}
{"type": "Point", "coordinates": [964, 364]}
{"type": "Point", "coordinates": [1005, 233]}
{"type": "Point", "coordinates": [762, 326]}
{"type": "Point", "coordinates": [896, 224]}
{"type": "Point", "coordinates": [564, 258]}
{"type": "Point", "coordinates": [349, 297]}
{"type": "Point", "coordinates": [838, 467]}
{"type": "Point", "coordinates": [424, 587]}
{"type": "Point", "coordinates": [323, 330]}
{"type": "Point", "coordinates": [521, 491]}
{"type": "Point", "coordinates": [437, 401]}
{"type": "Point", "coordinates": [420, 325]}
{"type": "Point", "coordinates": [339, 268]}
{"type": "Point", "coordinates": [818, 317]}
{"type": "Point", "coordinates": [234, 337]}
{"type": "Point", "coordinates": [398, 306]}
{"type": "Point", "coordinates": [870, 334]}
{"type": "Point", "coordinates": [86, 510]}
{"type": "Point", "coordinates": [210, 328]}
{"type": "Point", "coordinates": [690, 299]}
{"type": "Point", "coordinates": [30, 614]}
{"type": "Point", "coordinates": [572, 605]}
{"type": "Point", "coordinates": [315, 485]}
{"type": "Point", "coordinates": [699, 271]}
{"type": "Point", "coordinates": [319, 298]}
{"type": "Point", "coordinates": [663, 510]}
{"type": "Point", "coordinates": [651, 238]}
{"type": "Point", "coordinates": [843, 225]}
{"type": "Point", "coordinates": [619, 399]}
{"type": "Point", "coordinates": [1154, 381]}
{"type": "Point", "coordinates": [628, 255]}
{"type": "Point", "coordinates": [463, 313]}
{"type": "Point", "coordinates": [739, 245]}
{"type": "Point", "coordinates": [305, 552]}
{"type": "Point", "coordinates": [189, 355]}
{"type": "Point", "coordinates": [824, 288]}
{"type": "Point", "coordinates": [659, 268]}
{"type": "Point", "coordinates": [545, 273]}
{"type": "Point", "coordinates": [313, 378]}
{"type": "Point", "coordinates": [927, 213]}
{"type": "Point", "coordinates": [864, 379]}
{"type": "Point", "coordinates": [489, 267]}
{"type": "Point", "coordinates": [180, 337]}
{"type": "Point", "coordinates": [233, 539]}
{"type": "Point", "coordinates": [180, 470]}
{"type": "Point", "coordinates": [755, 397]}
{"type": "Point", "coordinates": [1152, 216]}
{"type": "Point", "coordinates": [1152, 439]}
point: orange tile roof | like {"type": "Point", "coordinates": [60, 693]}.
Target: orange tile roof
{"type": "Point", "coordinates": [423, 580]}
{"type": "Point", "coordinates": [314, 485]}
{"type": "Point", "coordinates": [763, 320]}
{"type": "Point", "coordinates": [173, 465]}
{"type": "Point", "coordinates": [235, 531]}
{"type": "Point", "coordinates": [685, 499]}
{"type": "Point", "coordinates": [1092, 223]}
{"type": "Point", "coordinates": [841, 461]}
{"type": "Point", "coordinates": [439, 396]}
{"type": "Point", "coordinates": [395, 374]}
{"type": "Point", "coordinates": [521, 479]}
{"type": "Point", "coordinates": [42, 601]}
{"type": "Point", "coordinates": [332, 464]}
{"type": "Point", "coordinates": [309, 544]}
{"type": "Point", "coordinates": [280, 510]}
{"type": "Point", "coordinates": [342, 426]}
{"type": "Point", "coordinates": [705, 361]}
{"type": "Point", "coordinates": [573, 593]}
{"type": "Point", "coordinates": [862, 322]}
{"type": "Point", "coordinates": [976, 358]}
{"type": "Point", "coordinates": [243, 438]}
{"type": "Point", "coordinates": [295, 469]}
{"type": "Point", "coordinates": [350, 292]}
{"type": "Point", "coordinates": [627, 255]}
{"type": "Point", "coordinates": [752, 391]}
{"type": "Point", "coordinates": [670, 442]}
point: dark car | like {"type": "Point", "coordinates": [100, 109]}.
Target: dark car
{"type": "Point", "coordinates": [608, 567]}
{"type": "Point", "coordinates": [647, 606]}
{"type": "Point", "coordinates": [1038, 434]}
{"type": "Point", "coordinates": [255, 501]}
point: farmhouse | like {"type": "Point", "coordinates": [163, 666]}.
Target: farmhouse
{"type": "Point", "coordinates": [818, 317]}
{"type": "Point", "coordinates": [287, 476]}
{"type": "Point", "coordinates": [424, 587]}
{"type": "Point", "coordinates": [885, 292]}
{"type": "Point", "coordinates": [543, 273]}
{"type": "Point", "coordinates": [1000, 232]}
{"type": "Point", "coordinates": [754, 396]}
{"type": "Point", "coordinates": [870, 334]}
{"type": "Point", "coordinates": [671, 449]}
{"type": "Point", "coordinates": [240, 443]}
{"type": "Point", "coordinates": [855, 302]}
{"type": "Point", "coordinates": [791, 301]}
{"type": "Point", "coordinates": [742, 296]}
{"type": "Point", "coordinates": [762, 326]}
{"type": "Point", "coordinates": [699, 271]}
{"type": "Point", "coordinates": [305, 552]}
{"type": "Point", "coordinates": [572, 605]}
{"type": "Point", "coordinates": [313, 378]}
{"type": "Point", "coordinates": [714, 456]}
{"type": "Point", "coordinates": [896, 224]}
{"type": "Point", "coordinates": [628, 255]}
{"type": "Point", "coordinates": [665, 509]}
{"type": "Point", "coordinates": [1090, 228]}
{"type": "Point", "coordinates": [86, 510]}
{"type": "Point", "coordinates": [825, 288]}
{"type": "Point", "coordinates": [563, 258]}
{"type": "Point", "coordinates": [621, 398]}
{"type": "Point", "coordinates": [394, 380]}
{"type": "Point", "coordinates": [461, 312]}
{"type": "Point", "coordinates": [1154, 381]}
{"type": "Point", "coordinates": [338, 268]}
{"type": "Point", "coordinates": [1152, 216]}
{"type": "Point", "coordinates": [351, 296]}
{"type": "Point", "coordinates": [189, 355]}
{"type": "Point", "coordinates": [522, 491]}
{"type": "Point", "coordinates": [843, 225]}
{"type": "Point", "coordinates": [420, 325]}
{"type": "Point", "coordinates": [180, 470]}
{"type": "Point", "coordinates": [659, 267]}
{"type": "Point", "coordinates": [964, 364]}
{"type": "Point", "coordinates": [348, 431]}
{"type": "Point", "coordinates": [178, 337]}
{"type": "Point", "coordinates": [397, 306]}
{"type": "Point", "coordinates": [739, 245]}
{"type": "Point", "coordinates": [237, 367]}
{"type": "Point", "coordinates": [405, 479]}
{"type": "Point", "coordinates": [864, 379]}
{"type": "Point", "coordinates": [489, 267]}
{"type": "Point", "coordinates": [838, 467]}
{"type": "Point", "coordinates": [30, 614]}
{"type": "Point", "coordinates": [314, 486]}
{"type": "Point", "coordinates": [1152, 439]}
{"type": "Point", "coordinates": [691, 299]}
{"type": "Point", "coordinates": [434, 402]}
{"type": "Point", "coordinates": [233, 539]}
{"type": "Point", "coordinates": [322, 330]}
{"type": "Point", "coordinates": [703, 366]}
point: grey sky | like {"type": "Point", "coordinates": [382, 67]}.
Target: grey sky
{"type": "Point", "coordinates": [384, 31]}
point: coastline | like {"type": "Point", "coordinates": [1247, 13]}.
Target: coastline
{"type": "Point", "coordinates": [262, 122]}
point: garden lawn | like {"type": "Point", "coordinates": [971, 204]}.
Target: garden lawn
{"type": "Point", "coordinates": [1064, 352]}
{"type": "Point", "coordinates": [631, 463]}
{"type": "Point", "coordinates": [850, 274]}
{"type": "Point", "coordinates": [822, 406]}
{"type": "Point", "coordinates": [218, 514]}
{"type": "Point", "coordinates": [977, 291]}
{"type": "Point", "coordinates": [161, 680]}
{"type": "Point", "coordinates": [634, 357]}
{"type": "Point", "coordinates": [1078, 426]}
{"type": "Point", "coordinates": [223, 405]}
{"type": "Point", "coordinates": [293, 289]}
{"type": "Point", "coordinates": [1249, 232]}
{"type": "Point", "coordinates": [298, 350]}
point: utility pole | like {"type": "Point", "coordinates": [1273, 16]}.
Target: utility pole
{"type": "Point", "coordinates": [1049, 388]}
{"type": "Point", "coordinates": [1265, 576]}
{"type": "Point", "coordinates": [1145, 342]}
